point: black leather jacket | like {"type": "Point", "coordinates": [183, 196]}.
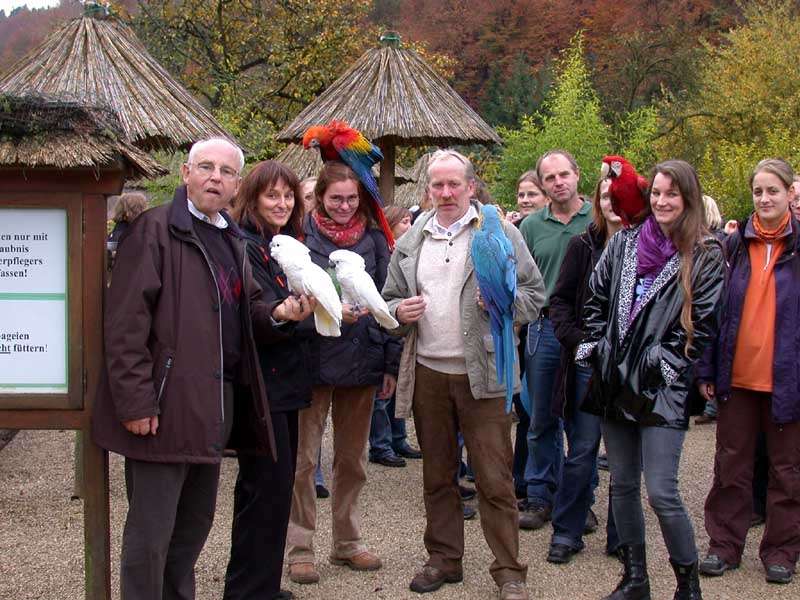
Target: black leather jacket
{"type": "Point", "coordinates": [641, 371]}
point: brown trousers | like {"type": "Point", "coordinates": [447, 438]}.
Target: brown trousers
{"type": "Point", "coordinates": [729, 505]}
{"type": "Point", "coordinates": [351, 414]}
{"type": "Point", "coordinates": [443, 404]}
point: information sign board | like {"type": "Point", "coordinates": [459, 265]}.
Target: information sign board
{"type": "Point", "coordinates": [34, 329]}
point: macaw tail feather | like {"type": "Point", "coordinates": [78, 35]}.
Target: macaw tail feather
{"type": "Point", "coordinates": [387, 229]}
{"type": "Point", "coordinates": [510, 357]}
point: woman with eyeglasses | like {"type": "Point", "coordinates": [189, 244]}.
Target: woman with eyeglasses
{"type": "Point", "coordinates": [652, 309]}
{"type": "Point", "coordinates": [268, 203]}
{"type": "Point", "coordinates": [347, 373]}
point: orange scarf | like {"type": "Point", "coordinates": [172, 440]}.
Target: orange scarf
{"type": "Point", "coordinates": [771, 235]}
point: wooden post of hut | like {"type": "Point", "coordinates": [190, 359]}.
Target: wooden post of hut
{"type": "Point", "coordinates": [59, 162]}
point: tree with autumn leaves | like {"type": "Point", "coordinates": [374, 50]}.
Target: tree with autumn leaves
{"type": "Point", "coordinates": [255, 64]}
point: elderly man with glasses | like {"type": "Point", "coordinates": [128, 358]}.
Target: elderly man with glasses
{"type": "Point", "coordinates": [448, 379]}
{"type": "Point", "coordinates": [183, 313]}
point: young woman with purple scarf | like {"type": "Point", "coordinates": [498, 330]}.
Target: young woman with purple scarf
{"type": "Point", "coordinates": [652, 310]}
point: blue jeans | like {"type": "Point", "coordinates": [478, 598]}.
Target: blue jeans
{"type": "Point", "coordinates": [545, 434]}
{"type": "Point", "coordinates": [520, 448]}
{"type": "Point", "coordinates": [319, 479]}
{"type": "Point", "coordinates": [386, 434]}
{"type": "Point", "coordinates": [575, 493]}
{"type": "Point", "coordinates": [656, 452]}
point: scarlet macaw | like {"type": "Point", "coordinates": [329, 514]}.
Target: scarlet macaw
{"type": "Point", "coordinates": [338, 141]}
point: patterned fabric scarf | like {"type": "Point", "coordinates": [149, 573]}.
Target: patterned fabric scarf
{"type": "Point", "coordinates": [345, 235]}
{"type": "Point", "coordinates": [654, 249]}
{"type": "Point", "coordinates": [770, 235]}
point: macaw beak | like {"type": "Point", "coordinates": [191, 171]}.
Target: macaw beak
{"type": "Point", "coordinates": [604, 170]}
{"type": "Point", "coordinates": [331, 264]}
{"type": "Point", "coordinates": [314, 143]}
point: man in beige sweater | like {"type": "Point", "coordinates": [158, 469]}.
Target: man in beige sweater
{"type": "Point", "coordinates": [448, 379]}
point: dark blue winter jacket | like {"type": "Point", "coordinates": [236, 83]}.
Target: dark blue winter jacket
{"type": "Point", "coordinates": [717, 366]}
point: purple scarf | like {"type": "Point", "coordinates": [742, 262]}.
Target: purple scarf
{"type": "Point", "coordinates": [654, 249]}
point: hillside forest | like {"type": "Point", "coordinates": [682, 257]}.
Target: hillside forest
{"type": "Point", "coordinates": [711, 81]}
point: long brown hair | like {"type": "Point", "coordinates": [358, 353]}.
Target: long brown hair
{"type": "Point", "coordinates": [598, 218]}
{"type": "Point", "coordinates": [333, 172]}
{"type": "Point", "coordinates": [687, 232]}
{"type": "Point", "coordinates": [263, 176]}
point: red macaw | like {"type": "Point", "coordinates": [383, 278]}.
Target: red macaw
{"type": "Point", "coordinates": [628, 189]}
{"type": "Point", "coordinates": [338, 141]}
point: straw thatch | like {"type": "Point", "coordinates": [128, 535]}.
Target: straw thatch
{"type": "Point", "coordinates": [102, 62]}
{"type": "Point", "coordinates": [390, 94]}
{"type": "Point", "coordinates": [413, 193]}
{"type": "Point", "coordinates": [307, 163]}
{"type": "Point", "coordinates": [39, 132]}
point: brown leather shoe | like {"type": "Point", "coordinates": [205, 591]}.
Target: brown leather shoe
{"type": "Point", "coordinates": [364, 561]}
{"type": "Point", "coordinates": [303, 572]}
{"type": "Point", "coordinates": [514, 590]}
{"type": "Point", "coordinates": [430, 579]}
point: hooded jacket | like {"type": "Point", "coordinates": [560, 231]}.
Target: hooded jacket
{"type": "Point", "coordinates": [163, 347]}
{"type": "Point", "coordinates": [641, 371]}
{"type": "Point", "coordinates": [717, 364]}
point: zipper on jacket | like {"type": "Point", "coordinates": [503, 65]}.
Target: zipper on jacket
{"type": "Point", "coordinates": [167, 367]}
{"type": "Point", "coordinates": [219, 319]}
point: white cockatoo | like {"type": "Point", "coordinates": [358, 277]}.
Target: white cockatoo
{"type": "Point", "coordinates": [304, 277]}
{"type": "Point", "coordinates": [358, 288]}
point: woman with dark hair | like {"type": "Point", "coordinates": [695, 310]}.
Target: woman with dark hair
{"type": "Point", "coordinates": [652, 310]}
{"type": "Point", "coordinates": [269, 203]}
{"type": "Point", "coordinates": [572, 506]}
{"type": "Point", "coordinates": [755, 379]}
{"type": "Point", "coordinates": [347, 372]}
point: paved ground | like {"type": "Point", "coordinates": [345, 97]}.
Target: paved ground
{"type": "Point", "coordinates": [41, 536]}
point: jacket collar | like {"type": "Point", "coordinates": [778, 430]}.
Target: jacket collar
{"type": "Point", "coordinates": [180, 218]}
{"type": "Point", "coordinates": [411, 241]}
{"type": "Point", "coordinates": [628, 282]}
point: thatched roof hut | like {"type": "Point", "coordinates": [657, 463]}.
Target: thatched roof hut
{"type": "Point", "coordinates": [100, 61]}
{"type": "Point", "coordinates": [394, 98]}
{"type": "Point", "coordinates": [307, 163]}
{"type": "Point", "coordinates": [413, 192]}
{"type": "Point", "coordinates": [39, 132]}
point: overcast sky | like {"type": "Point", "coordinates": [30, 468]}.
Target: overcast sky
{"type": "Point", "coordinates": [8, 5]}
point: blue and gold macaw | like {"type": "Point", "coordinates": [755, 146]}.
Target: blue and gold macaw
{"type": "Point", "coordinates": [496, 271]}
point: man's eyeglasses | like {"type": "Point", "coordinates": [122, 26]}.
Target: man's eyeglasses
{"type": "Point", "coordinates": [207, 170]}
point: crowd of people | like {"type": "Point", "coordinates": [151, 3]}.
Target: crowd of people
{"type": "Point", "coordinates": [634, 309]}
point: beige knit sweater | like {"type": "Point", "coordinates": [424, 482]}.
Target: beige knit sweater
{"type": "Point", "coordinates": [440, 274]}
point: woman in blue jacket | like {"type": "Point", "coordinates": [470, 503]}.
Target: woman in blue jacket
{"type": "Point", "coordinates": [755, 377]}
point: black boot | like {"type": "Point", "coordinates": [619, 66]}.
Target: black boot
{"type": "Point", "coordinates": [688, 581]}
{"type": "Point", "coordinates": [635, 584]}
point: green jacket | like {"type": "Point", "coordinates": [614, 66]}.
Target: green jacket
{"type": "Point", "coordinates": [401, 283]}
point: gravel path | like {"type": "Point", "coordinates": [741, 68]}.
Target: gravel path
{"type": "Point", "coordinates": [41, 536]}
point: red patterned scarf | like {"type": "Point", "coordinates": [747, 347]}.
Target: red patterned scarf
{"type": "Point", "coordinates": [345, 235]}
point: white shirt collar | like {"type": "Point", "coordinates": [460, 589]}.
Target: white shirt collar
{"type": "Point", "coordinates": [439, 231]}
{"type": "Point", "coordinates": [219, 223]}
